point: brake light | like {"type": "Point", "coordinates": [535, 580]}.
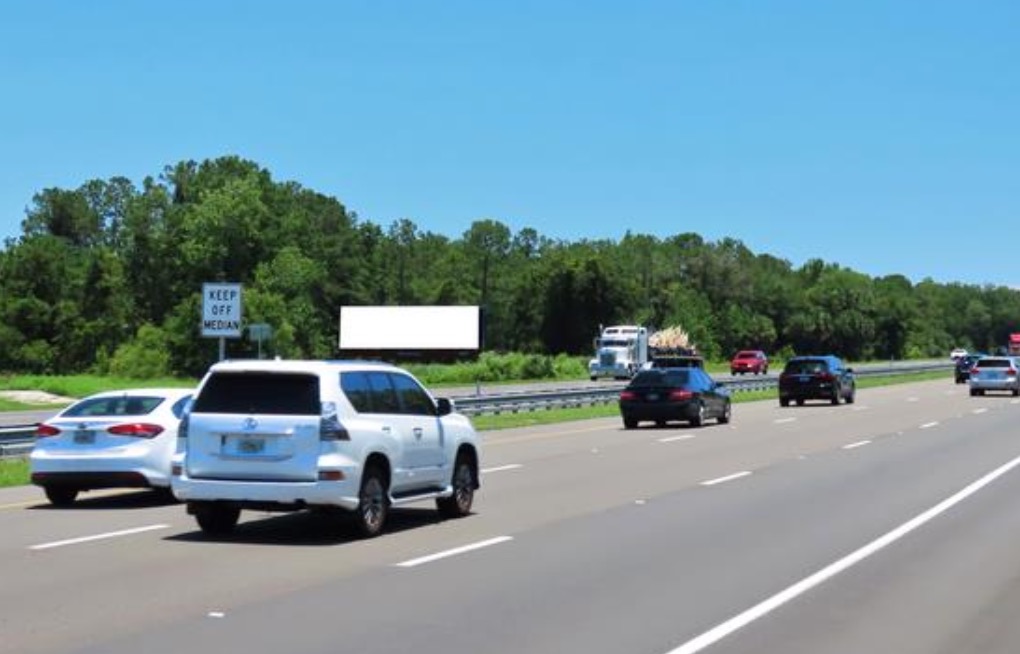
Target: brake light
{"type": "Point", "coordinates": [1011, 372]}
{"type": "Point", "coordinates": [628, 395]}
{"type": "Point", "coordinates": [44, 430]}
{"type": "Point", "coordinates": [680, 395]}
{"type": "Point", "coordinates": [826, 377]}
{"type": "Point", "coordinates": [136, 430]}
{"type": "Point", "coordinates": [974, 371]}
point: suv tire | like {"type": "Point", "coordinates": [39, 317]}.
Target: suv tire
{"type": "Point", "coordinates": [458, 505]}
{"type": "Point", "coordinates": [373, 504]}
{"type": "Point", "coordinates": [216, 519]}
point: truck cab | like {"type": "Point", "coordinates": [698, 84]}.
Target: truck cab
{"type": "Point", "coordinates": [620, 351]}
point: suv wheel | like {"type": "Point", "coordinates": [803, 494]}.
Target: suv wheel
{"type": "Point", "coordinates": [61, 495]}
{"type": "Point", "coordinates": [373, 505]}
{"type": "Point", "coordinates": [458, 505]}
{"type": "Point", "coordinates": [216, 519]}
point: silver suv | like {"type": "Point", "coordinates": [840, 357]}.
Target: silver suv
{"type": "Point", "coordinates": [290, 435]}
{"type": "Point", "coordinates": [994, 374]}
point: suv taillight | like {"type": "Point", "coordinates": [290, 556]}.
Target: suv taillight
{"type": "Point", "coordinates": [136, 429]}
{"type": "Point", "coordinates": [44, 430]}
{"type": "Point", "coordinates": [1011, 372]}
{"type": "Point", "coordinates": [826, 377]}
{"type": "Point", "coordinates": [974, 371]}
{"type": "Point", "coordinates": [330, 428]}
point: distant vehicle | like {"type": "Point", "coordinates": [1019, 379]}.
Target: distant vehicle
{"type": "Point", "coordinates": [116, 439]}
{"type": "Point", "coordinates": [662, 395]}
{"type": "Point", "coordinates": [1014, 345]}
{"type": "Point", "coordinates": [823, 377]}
{"type": "Point", "coordinates": [957, 353]}
{"type": "Point", "coordinates": [620, 351]}
{"type": "Point", "coordinates": [995, 374]}
{"type": "Point", "coordinates": [964, 365]}
{"type": "Point", "coordinates": [749, 361]}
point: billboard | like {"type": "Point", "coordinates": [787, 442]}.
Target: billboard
{"type": "Point", "coordinates": [410, 328]}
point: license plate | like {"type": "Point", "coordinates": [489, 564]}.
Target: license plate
{"type": "Point", "coordinates": [804, 379]}
{"type": "Point", "coordinates": [84, 437]}
{"type": "Point", "coordinates": [652, 397]}
{"type": "Point", "coordinates": [251, 446]}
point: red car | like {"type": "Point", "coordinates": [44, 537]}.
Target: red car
{"type": "Point", "coordinates": [748, 361]}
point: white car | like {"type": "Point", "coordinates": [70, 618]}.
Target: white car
{"type": "Point", "coordinates": [116, 439]}
{"type": "Point", "coordinates": [958, 353]}
{"type": "Point", "coordinates": [291, 435]}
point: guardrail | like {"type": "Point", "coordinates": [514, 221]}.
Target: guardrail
{"type": "Point", "coordinates": [17, 440]}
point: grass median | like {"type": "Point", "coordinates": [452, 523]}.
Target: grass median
{"type": "Point", "coordinates": [15, 471]}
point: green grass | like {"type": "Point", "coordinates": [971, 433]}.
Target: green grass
{"type": "Point", "coordinates": [13, 472]}
{"type": "Point", "coordinates": [82, 385]}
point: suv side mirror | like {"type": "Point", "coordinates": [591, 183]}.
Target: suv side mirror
{"type": "Point", "coordinates": [444, 406]}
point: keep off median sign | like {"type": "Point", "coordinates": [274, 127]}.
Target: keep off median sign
{"type": "Point", "coordinates": [221, 310]}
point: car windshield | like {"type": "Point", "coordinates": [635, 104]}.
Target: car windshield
{"type": "Point", "coordinates": [806, 367]}
{"type": "Point", "coordinates": [747, 355]}
{"type": "Point", "coordinates": [120, 405]}
{"type": "Point", "coordinates": [666, 377]}
{"type": "Point", "coordinates": [994, 363]}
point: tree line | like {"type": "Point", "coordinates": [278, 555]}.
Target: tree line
{"type": "Point", "coordinates": [107, 278]}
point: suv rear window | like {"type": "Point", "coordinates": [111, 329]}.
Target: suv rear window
{"type": "Point", "coordinates": [260, 392]}
{"type": "Point", "coordinates": [993, 363]}
{"type": "Point", "coordinates": [807, 367]}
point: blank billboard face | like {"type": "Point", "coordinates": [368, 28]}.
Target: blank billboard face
{"type": "Point", "coordinates": [410, 328]}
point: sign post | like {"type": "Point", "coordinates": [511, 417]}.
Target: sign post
{"type": "Point", "coordinates": [221, 312]}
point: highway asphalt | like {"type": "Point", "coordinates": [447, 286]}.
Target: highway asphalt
{"type": "Point", "coordinates": [884, 526]}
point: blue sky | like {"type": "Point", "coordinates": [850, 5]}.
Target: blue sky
{"type": "Point", "coordinates": [880, 135]}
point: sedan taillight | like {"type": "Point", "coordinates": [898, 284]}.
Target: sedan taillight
{"type": "Point", "coordinates": [136, 429]}
{"type": "Point", "coordinates": [628, 395]}
{"type": "Point", "coordinates": [44, 430]}
{"type": "Point", "coordinates": [680, 395]}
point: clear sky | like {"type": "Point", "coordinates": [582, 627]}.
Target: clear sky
{"type": "Point", "coordinates": [877, 134]}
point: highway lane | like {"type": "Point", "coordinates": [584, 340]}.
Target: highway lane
{"type": "Point", "coordinates": [597, 539]}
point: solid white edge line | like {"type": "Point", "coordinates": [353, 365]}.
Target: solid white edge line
{"type": "Point", "coordinates": [857, 444]}
{"type": "Point", "coordinates": [929, 425]}
{"type": "Point", "coordinates": [741, 620]}
{"type": "Point", "coordinates": [981, 410]}
{"type": "Point", "coordinates": [87, 539]}
{"type": "Point", "coordinates": [720, 480]}
{"type": "Point", "coordinates": [783, 421]}
{"type": "Point", "coordinates": [510, 466]}
{"type": "Point", "coordinates": [455, 551]}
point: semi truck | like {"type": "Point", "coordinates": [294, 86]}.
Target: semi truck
{"type": "Point", "coordinates": [620, 351]}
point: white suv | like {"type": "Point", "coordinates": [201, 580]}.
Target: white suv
{"type": "Point", "coordinates": [290, 435]}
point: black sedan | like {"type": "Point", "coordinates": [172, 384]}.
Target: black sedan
{"type": "Point", "coordinates": [660, 395]}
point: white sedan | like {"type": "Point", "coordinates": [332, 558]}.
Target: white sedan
{"type": "Point", "coordinates": [116, 439]}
